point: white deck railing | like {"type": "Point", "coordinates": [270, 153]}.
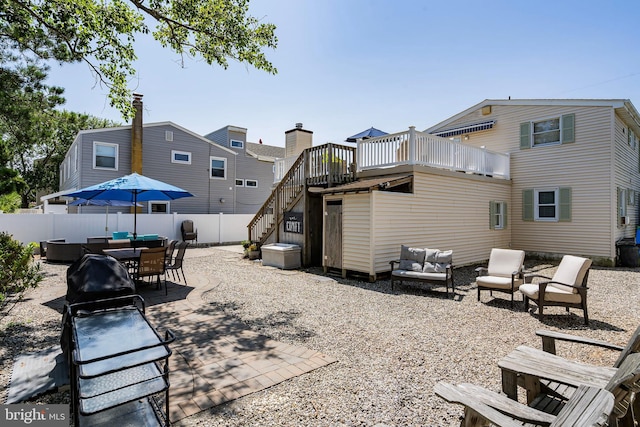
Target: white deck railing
{"type": "Point", "coordinates": [418, 148]}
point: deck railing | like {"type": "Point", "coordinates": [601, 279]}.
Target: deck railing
{"type": "Point", "coordinates": [325, 164]}
{"type": "Point", "coordinates": [418, 148]}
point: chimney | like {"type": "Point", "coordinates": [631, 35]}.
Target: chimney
{"type": "Point", "coordinates": [297, 140]}
{"type": "Point", "coordinates": [136, 135]}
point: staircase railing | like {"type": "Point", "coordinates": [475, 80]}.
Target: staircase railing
{"type": "Point", "coordinates": [325, 165]}
{"type": "Point", "coordinates": [291, 185]}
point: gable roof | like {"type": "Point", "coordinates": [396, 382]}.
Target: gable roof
{"type": "Point", "coordinates": [149, 125]}
{"type": "Point", "coordinates": [263, 151]}
{"type": "Point", "coordinates": [623, 107]}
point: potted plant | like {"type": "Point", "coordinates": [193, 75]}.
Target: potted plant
{"type": "Point", "coordinates": [253, 251]}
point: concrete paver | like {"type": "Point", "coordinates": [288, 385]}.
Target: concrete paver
{"type": "Point", "coordinates": [215, 358]}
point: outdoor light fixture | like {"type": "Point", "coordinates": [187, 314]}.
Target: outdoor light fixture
{"type": "Point", "coordinates": [221, 200]}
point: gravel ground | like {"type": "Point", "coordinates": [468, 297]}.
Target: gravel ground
{"type": "Point", "coordinates": [392, 347]}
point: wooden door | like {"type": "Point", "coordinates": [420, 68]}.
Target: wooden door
{"type": "Point", "coordinates": [333, 235]}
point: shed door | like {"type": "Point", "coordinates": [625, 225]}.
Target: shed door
{"type": "Point", "coordinates": [333, 235]}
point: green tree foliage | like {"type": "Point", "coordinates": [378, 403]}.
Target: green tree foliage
{"type": "Point", "coordinates": [18, 272]}
{"type": "Point", "coordinates": [9, 202]}
{"type": "Point", "coordinates": [101, 33]}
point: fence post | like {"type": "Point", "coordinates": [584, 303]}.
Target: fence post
{"type": "Point", "coordinates": [412, 145]}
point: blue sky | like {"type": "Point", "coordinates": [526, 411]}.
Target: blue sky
{"type": "Point", "coordinates": [347, 65]}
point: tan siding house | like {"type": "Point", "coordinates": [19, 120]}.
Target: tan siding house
{"type": "Point", "coordinates": [571, 186]}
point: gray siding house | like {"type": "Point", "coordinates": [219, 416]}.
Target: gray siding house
{"type": "Point", "coordinates": [225, 173]}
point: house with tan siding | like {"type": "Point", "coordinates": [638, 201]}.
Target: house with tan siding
{"type": "Point", "coordinates": [551, 177]}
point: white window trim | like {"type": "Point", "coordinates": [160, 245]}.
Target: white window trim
{"type": "Point", "coordinates": [158, 202]}
{"type": "Point", "coordinates": [532, 133]}
{"type": "Point", "coordinates": [241, 184]}
{"type": "Point", "coordinates": [77, 159]}
{"type": "Point", "coordinates": [108, 144]}
{"type": "Point", "coordinates": [241, 143]}
{"type": "Point", "coordinates": [168, 135]}
{"type": "Point", "coordinates": [251, 180]}
{"type": "Point", "coordinates": [536, 205]}
{"type": "Point", "coordinates": [182, 162]}
{"type": "Point", "coordinates": [224, 160]}
{"type": "Point", "coordinates": [501, 225]}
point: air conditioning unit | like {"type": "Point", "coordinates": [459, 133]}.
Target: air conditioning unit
{"type": "Point", "coordinates": [625, 220]}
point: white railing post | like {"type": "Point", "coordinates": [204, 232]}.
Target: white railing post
{"type": "Point", "coordinates": [412, 145]}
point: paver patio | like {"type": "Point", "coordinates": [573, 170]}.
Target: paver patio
{"type": "Point", "coordinates": [216, 358]}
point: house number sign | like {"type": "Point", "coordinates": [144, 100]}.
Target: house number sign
{"type": "Point", "coordinates": [293, 222]}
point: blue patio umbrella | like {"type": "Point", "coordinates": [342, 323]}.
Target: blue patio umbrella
{"type": "Point", "coordinates": [365, 134]}
{"type": "Point", "coordinates": [98, 202]}
{"type": "Point", "coordinates": [132, 188]}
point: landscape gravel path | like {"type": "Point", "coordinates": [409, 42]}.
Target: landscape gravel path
{"type": "Point", "coordinates": [392, 347]}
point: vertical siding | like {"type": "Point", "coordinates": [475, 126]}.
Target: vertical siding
{"type": "Point", "coordinates": [376, 224]}
{"type": "Point", "coordinates": [357, 232]}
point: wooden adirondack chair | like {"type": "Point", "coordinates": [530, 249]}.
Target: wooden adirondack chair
{"type": "Point", "coordinates": [549, 379]}
{"type": "Point", "coordinates": [588, 407]}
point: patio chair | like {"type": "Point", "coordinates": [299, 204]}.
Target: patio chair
{"type": "Point", "coordinates": [176, 266]}
{"type": "Point", "coordinates": [567, 288]}
{"type": "Point", "coordinates": [188, 231]}
{"type": "Point", "coordinates": [588, 407]}
{"type": "Point", "coordinates": [171, 246]}
{"type": "Point", "coordinates": [550, 379]}
{"type": "Point", "coordinates": [505, 272]}
{"type": "Point", "coordinates": [151, 264]}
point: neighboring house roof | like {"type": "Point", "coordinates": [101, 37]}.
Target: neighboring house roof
{"type": "Point", "coordinates": [265, 152]}
{"type": "Point", "coordinates": [368, 185]}
{"type": "Point", "coordinates": [623, 107]}
{"type": "Point", "coordinates": [148, 125]}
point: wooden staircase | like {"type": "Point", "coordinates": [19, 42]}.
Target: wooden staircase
{"type": "Point", "coordinates": [322, 166]}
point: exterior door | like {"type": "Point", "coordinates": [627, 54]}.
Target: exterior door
{"type": "Point", "coordinates": [333, 235]}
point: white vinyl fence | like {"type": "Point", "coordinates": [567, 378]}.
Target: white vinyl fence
{"type": "Point", "coordinates": [75, 228]}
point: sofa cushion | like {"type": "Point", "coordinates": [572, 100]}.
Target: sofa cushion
{"type": "Point", "coordinates": [418, 275]}
{"type": "Point", "coordinates": [497, 282]}
{"type": "Point", "coordinates": [411, 259]}
{"type": "Point", "coordinates": [571, 271]}
{"type": "Point", "coordinates": [504, 262]}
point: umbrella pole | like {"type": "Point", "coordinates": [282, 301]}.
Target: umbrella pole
{"type": "Point", "coordinates": [106, 223]}
{"type": "Point", "coordinates": [135, 214]}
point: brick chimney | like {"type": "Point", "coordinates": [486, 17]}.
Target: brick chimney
{"type": "Point", "coordinates": [297, 140]}
{"type": "Point", "coordinates": [136, 135]}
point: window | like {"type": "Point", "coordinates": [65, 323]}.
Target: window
{"type": "Point", "coordinates": [239, 182]}
{"type": "Point", "coordinates": [251, 183]}
{"type": "Point", "coordinates": [105, 156]}
{"type": "Point", "coordinates": [159, 207]}
{"type": "Point", "coordinates": [497, 215]}
{"type": "Point", "coordinates": [168, 135]}
{"type": "Point", "coordinates": [546, 204]}
{"type": "Point", "coordinates": [218, 168]}
{"type": "Point", "coordinates": [183, 157]}
{"type": "Point", "coordinates": [236, 143]}
{"type": "Point", "coordinates": [631, 139]}
{"type": "Point", "coordinates": [622, 206]}
{"type": "Point", "coordinates": [555, 130]}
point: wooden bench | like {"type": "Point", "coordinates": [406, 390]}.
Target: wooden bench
{"type": "Point", "coordinates": [431, 266]}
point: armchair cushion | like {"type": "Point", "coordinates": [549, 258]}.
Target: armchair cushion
{"type": "Point", "coordinates": [497, 282]}
{"type": "Point", "coordinates": [553, 293]}
{"type": "Point", "coordinates": [504, 262]}
{"type": "Point", "coordinates": [571, 271]}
